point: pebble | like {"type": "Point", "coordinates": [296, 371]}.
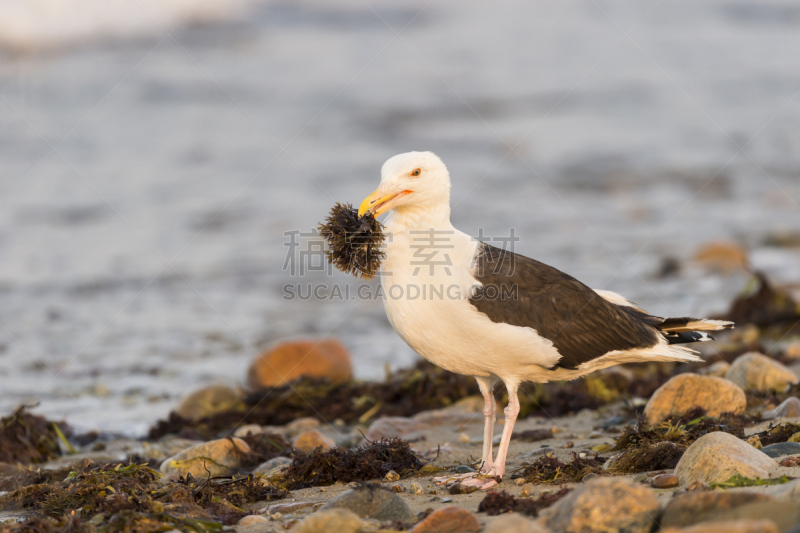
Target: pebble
{"type": "Point", "coordinates": [464, 438]}
{"type": "Point", "coordinates": [716, 457]}
{"type": "Point", "coordinates": [464, 469]}
{"type": "Point", "coordinates": [301, 424]}
{"type": "Point", "coordinates": [276, 462]}
{"type": "Point", "coordinates": [721, 256]}
{"type": "Point", "coordinates": [213, 458]}
{"type": "Point", "coordinates": [665, 481]}
{"type": "Point", "coordinates": [310, 439]}
{"type": "Point", "coordinates": [527, 490]}
{"type": "Point", "coordinates": [209, 401]}
{"type": "Point", "coordinates": [325, 521]}
{"type": "Point", "coordinates": [391, 475]}
{"type": "Point", "coordinates": [447, 500]}
{"type": "Point", "coordinates": [398, 488]}
{"type": "Point", "coordinates": [789, 408]}
{"type": "Point", "coordinates": [782, 448]}
{"type": "Point", "coordinates": [251, 519]}
{"type": "Point", "coordinates": [248, 429]}
{"type": "Point", "coordinates": [458, 488]}
{"type": "Point", "coordinates": [416, 489]}
{"type": "Point", "coordinates": [290, 360]}
{"type": "Point", "coordinates": [514, 523]}
{"type": "Point", "coordinates": [607, 504]}
{"type": "Point", "coordinates": [718, 369]}
{"type": "Point", "coordinates": [595, 435]}
{"type": "Point", "coordinates": [450, 519]}
{"type": "Point", "coordinates": [372, 501]}
{"type": "Point", "coordinates": [757, 372]}
{"type": "Point", "coordinates": [685, 391]}
{"type": "Point", "coordinates": [519, 481]}
{"type": "Point", "coordinates": [568, 444]}
{"type": "Point", "coordinates": [640, 478]}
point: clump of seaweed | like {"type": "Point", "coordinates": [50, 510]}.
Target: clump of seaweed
{"type": "Point", "coordinates": [763, 305]}
{"type": "Point", "coordinates": [646, 448]}
{"type": "Point", "coordinates": [116, 497]}
{"type": "Point", "coordinates": [647, 457]}
{"type": "Point", "coordinates": [778, 433]}
{"type": "Point", "coordinates": [263, 447]}
{"type": "Point", "coordinates": [354, 243]}
{"type": "Point", "coordinates": [372, 461]}
{"type": "Point", "coordinates": [550, 469]}
{"type": "Point", "coordinates": [682, 430]}
{"type": "Point", "coordinates": [739, 480]}
{"type": "Point", "coordinates": [403, 393]}
{"type": "Point", "coordinates": [499, 502]}
{"type": "Point", "coordinates": [28, 438]}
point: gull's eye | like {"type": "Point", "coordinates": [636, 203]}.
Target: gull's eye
{"type": "Point", "coordinates": [416, 172]}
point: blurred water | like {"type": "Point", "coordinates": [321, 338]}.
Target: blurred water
{"type": "Point", "coordinates": [144, 256]}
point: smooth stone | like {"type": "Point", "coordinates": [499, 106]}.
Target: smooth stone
{"type": "Point", "coordinates": [514, 523]}
{"type": "Point", "coordinates": [718, 369]}
{"type": "Point", "coordinates": [288, 361]}
{"type": "Point", "coordinates": [527, 490]}
{"type": "Point", "coordinates": [612, 505]}
{"type": "Point", "coordinates": [251, 519]}
{"type": "Point", "coordinates": [301, 424]}
{"type": "Point", "coordinates": [275, 462]}
{"type": "Point", "coordinates": [310, 439]}
{"type": "Point", "coordinates": [329, 520]}
{"type": "Point", "coordinates": [782, 448]}
{"type": "Point", "coordinates": [450, 519]}
{"type": "Point", "coordinates": [686, 391]}
{"type": "Point", "coordinates": [757, 372]}
{"type": "Point", "coordinates": [721, 256]}
{"type": "Point", "coordinates": [416, 489]}
{"type": "Point", "coordinates": [789, 408]}
{"type": "Point", "coordinates": [718, 456]}
{"type": "Point", "coordinates": [785, 514]}
{"type": "Point", "coordinates": [209, 401]}
{"type": "Point", "coordinates": [391, 475]}
{"type": "Point", "coordinates": [458, 488]}
{"type": "Point", "coordinates": [665, 481]}
{"type": "Point", "coordinates": [729, 526]}
{"type": "Point", "coordinates": [693, 507]}
{"type": "Point", "coordinates": [372, 501]}
{"type": "Point", "coordinates": [789, 491]}
{"type": "Point", "coordinates": [248, 429]}
{"type": "Point", "coordinates": [215, 458]}
{"type": "Point", "coordinates": [464, 469]}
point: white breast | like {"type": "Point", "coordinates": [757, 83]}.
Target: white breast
{"type": "Point", "coordinates": [426, 285]}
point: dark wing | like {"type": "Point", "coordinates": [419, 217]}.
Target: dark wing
{"type": "Point", "coordinates": [581, 324]}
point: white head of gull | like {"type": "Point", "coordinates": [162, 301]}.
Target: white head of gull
{"type": "Point", "coordinates": [478, 310]}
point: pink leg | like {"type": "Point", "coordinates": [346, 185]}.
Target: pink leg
{"type": "Point", "coordinates": [511, 412]}
{"type": "Point", "coordinates": [489, 415]}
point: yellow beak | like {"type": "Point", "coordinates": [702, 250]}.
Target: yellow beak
{"type": "Point", "coordinates": [377, 202]}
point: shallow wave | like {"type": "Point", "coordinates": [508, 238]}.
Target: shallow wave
{"type": "Point", "coordinates": [46, 24]}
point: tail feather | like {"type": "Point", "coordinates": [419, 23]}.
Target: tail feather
{"type": "Point", "coordinates": [686, 337]}
{"type": "Point", "coordinates": [689, 324]}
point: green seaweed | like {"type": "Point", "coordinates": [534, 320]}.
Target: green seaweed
{"type": "Point", "coordinates": [738, 480]}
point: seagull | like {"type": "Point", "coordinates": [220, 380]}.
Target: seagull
{"type": "Point", "coordinates": [478, 310]}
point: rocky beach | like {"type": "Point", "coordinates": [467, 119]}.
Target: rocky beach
{"type": "Point", "coordinates": [175, 354]}
{"type": "Point", "coordinates": [659, 447]}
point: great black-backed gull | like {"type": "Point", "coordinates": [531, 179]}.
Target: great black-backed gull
{"type": "Point", "coordinates": [478, 310]}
